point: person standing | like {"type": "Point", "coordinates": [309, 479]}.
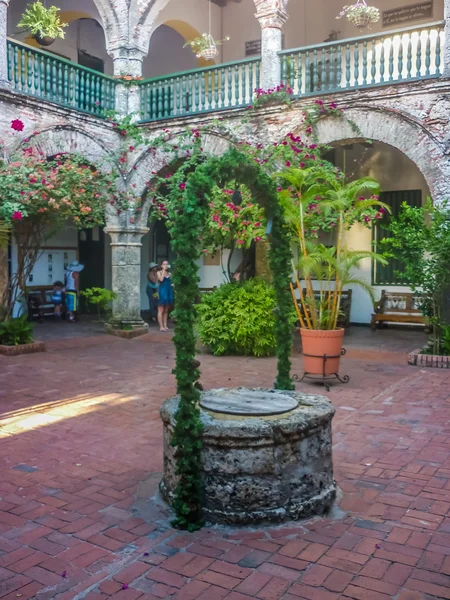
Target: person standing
{"type": "Point", "coordinates": [152, 290]}
{"type": "Point", "coordinates": [72, 285]}
{"type": "Point", "coordinates": [165, 295]}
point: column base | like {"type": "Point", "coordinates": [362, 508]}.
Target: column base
{"type": "Point", "coordinates": [126, 328]}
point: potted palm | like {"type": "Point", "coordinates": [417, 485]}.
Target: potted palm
{"type": "Point", "coordinates": [43, 23]}
{"type": "Point", "coordinates": [319, 203]}
{"type": "Point", "coordinates": [360, 14]}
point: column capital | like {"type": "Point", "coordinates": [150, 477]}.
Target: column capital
{"type": "Point", "coordinates": [271, 14]}
{"type": "Point", "coordinates": [6, 2]}
{"type": "Point", "coordinates": [126, 236]}
{"type": "Point", "coordinates": [127, 61]}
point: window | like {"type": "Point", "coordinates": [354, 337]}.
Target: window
{"type": "Point", "coordinates": [386, 274]}
{"type": "Point", "coordinates": [92, 62]}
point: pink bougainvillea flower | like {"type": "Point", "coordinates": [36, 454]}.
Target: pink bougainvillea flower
{"type": "Point", "coordinates": [17, 125]}
{"type": "Point", "coordinates": [182, 186]}
{"type": "Point", "coordinates": [131, 148]}
{"type": "Point", "coordinates": [288, 163]}
{"type": "Point", "coordinates": [17, 215]}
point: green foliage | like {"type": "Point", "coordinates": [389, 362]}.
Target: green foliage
{"type": "Point", "coordinates": [187, 211]}
{"type": "Point", "coordinates": [204, 42]}
{"type": "Point", "coordinates": [421, 242]}
{"type": "Point", "coordinates": [445, 340]}
{"type": "Point", "coordinates": [100, 297]}
{"type": "Point", "coordinates": [14, 332]}
{"type": "Point", "coordinates": [239, 319]}
{"type": "Point", "coordinates": [317, 200]}
{"type": "Point", "coordinates": [39, 20]}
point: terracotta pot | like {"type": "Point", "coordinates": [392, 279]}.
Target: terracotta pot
{"type": "Point", "coordinates": [44, 40]}
{"type": "Point", "coordinates": [316, 344]}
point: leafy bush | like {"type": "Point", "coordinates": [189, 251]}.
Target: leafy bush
{"type": "Point", "coordinates": [16, 331]}
{"type": "Point", "coordinates": [239, 318]}
{"type": "Point", "coordinates": [99, 296]}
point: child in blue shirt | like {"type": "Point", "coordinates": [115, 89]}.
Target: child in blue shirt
{"type": "Point", "coordinates": [57, 297]}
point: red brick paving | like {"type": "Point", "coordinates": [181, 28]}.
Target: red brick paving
{"type": "Point", "coordinates": [81, 456]}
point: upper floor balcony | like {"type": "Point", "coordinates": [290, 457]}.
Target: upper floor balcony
{"type": "Point", "coordinates": [81, 71]}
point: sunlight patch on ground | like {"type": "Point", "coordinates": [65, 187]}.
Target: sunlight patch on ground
{"type": "Point", "coordinates": [48, 413]}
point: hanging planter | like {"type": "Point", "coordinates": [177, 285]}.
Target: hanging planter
{"type": "Point", "coordinates": [360, 15]}
{"type": "Point", "coordinates": [205, 46]}
{"type": "Point", "coordinates": [43, 23]}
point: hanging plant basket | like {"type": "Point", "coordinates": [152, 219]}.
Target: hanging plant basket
{"type": "Point", "coordinates": [362, 21]}
{"type": "Point", "coordinates": [45, 40]}
{"type": "Point", "coordinates": [205, 46]}
{"type": "Point", "coordinates": [209, 53]}
{"type": "Point", "coordinates": [360, 15]}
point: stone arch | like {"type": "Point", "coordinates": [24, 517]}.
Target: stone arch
{"type": "Point", "coordinates": [153, 162]}
{"type": "Point", "coordinates": [398, 130]}
{"type": "Point", "coordinates": [73, 141]}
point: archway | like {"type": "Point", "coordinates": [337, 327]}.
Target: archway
{"type": "Point", "coordinates": [167, 53]}
{"type": "Point", "coordinates": [400, 181]}
{"type": "Point", "coordinates": [188, 216]}
{"type": "Point", "coordinates": [398, 130]}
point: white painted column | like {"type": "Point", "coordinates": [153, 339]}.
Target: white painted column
{"type": "Point", "coordinates": [4, 83]}
{"type": "Point", "coordinates": [271, 15]}
{"type": "Point", "coordinates": [446, 69]}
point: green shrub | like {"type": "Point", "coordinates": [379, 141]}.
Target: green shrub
{"type": "Point", "coordinates": [16, 331]}
{"type": "Point", "coordinates": [239, 318]}
{"type": "Point", "coordinates": [101, 297]}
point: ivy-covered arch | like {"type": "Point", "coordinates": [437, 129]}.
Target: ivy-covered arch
{"type": "Point", "coordinates": [187, 222]}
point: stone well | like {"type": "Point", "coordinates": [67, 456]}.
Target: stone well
{"type": "Point", "coordinates": [266, 455]}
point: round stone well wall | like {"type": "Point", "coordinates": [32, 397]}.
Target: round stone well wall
{"type": "Point", "coordinates": [267, 455]}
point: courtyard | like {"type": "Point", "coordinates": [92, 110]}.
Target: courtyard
{"type": "Point", "coordinates": [81, 460]}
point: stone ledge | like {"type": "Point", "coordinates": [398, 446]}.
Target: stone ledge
{"type": "Point", "coordinates": [434, 361]}
{"type": "Point", "coordinates": [126, 334]}
{"type": "Point", "coordinates": [22, 349]}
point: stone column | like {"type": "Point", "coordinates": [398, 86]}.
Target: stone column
{"type": "Point", "coordinates": [127, 61]}
{"type": "Point", "coordinates": [126, 273]}
{"type": "Point", "coordinates": [446, 69]}
{"type": "Point", "coordinates": [4, 83]}
{"type": "Point", "coordinates": [271, 15]}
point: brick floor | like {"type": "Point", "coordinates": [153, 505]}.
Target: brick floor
{"type": "Point", "coordinates": [80, 457]}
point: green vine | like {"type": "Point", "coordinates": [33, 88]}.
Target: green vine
{"type": "Point", "coordinates": [319, 111]}
{"type": "Point", "coordinates": [186, 223]}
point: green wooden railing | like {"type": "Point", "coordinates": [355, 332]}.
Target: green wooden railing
{"type": "Point", "coordinates": [48, 76]}
{"type": "Point", "coordinates": [229, 85]}
{"type": "Point", "coordinates": [392, 57]}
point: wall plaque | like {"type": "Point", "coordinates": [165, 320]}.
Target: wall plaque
{"type": "Point", "coordinates": [406, 14]}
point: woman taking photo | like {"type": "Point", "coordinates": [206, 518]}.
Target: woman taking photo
{"type": "Point", "coordinates": [165, 295]}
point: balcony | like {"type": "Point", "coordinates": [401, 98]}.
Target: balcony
{"type": "Point", "coordinates": [375, 60]}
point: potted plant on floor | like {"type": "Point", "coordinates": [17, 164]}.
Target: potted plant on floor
{"type": "Point", "coordinates": [318, 204]}
{"type": "Point", "coordinates": [359, 14]}
{"type": "Point", "coordinates": [43, 23]}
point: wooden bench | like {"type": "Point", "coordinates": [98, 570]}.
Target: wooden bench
{"type": "Point", "coordinates": [397, 307]}
{"type": "Point", "coordinates": [40, 305]}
